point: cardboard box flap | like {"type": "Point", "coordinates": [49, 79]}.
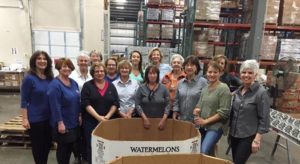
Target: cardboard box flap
{"type": "Point", "coordinates": [133, 130]}
{"type": "Point", "coordinates": [174, 159]}
{"type": "Point", "coordinates": [110, 133]}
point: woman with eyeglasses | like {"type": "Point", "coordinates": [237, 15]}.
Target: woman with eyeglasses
{"type": "Point", "coordinates": [111, 65]}
{"type": "Point", "coordinates": [99, 101]}
{"type": "Point", "coordinates": [152, 99]}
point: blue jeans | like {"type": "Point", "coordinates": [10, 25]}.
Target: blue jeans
{"type": "Point", "coordinates": [209, 139]}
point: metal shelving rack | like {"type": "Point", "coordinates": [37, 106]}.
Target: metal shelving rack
{"type": "Point", "coordinates": [176, 39]}
{"type": "Point", "coordinates": [256, 28]}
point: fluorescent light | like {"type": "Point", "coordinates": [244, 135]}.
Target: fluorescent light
{"type": "Point", "coordinates": [120, 7]}
{"type": "Point", "coordinates": [121, 1]}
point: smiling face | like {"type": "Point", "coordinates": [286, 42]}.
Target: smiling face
{"type": "Point", "coordinates": [124, 71]}
{"type": "Point", "coordinates": [83, 62]}
{"type": "Point", "coordinates": [41, 62]}
{"type": "Point", "coordinates": [213, 74]}
{"type": "Point", "coordinates": [65, 70]}
{"type": "Point", "coordinates": [248, 76]}
{"type": "Point", "coordinates": [95, 58]}
{"type": "Point", "coordinates": [155, 57]}
{"type": "Point", "coordinates": [135, 59]}
{"type": "Point", "coordinates": [176, 64]}
{"type": "Point", "coordinates": [111, 67]}
{"type": "Point", "coordinates": [99, 73]}
{"type": "Point", "coordinates": [190, 69]}
{"type": "Point", "coordinates": [222, 63]}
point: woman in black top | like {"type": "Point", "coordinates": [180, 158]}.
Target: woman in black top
{"type": "Point", "coordinates": [100, 102]}
{"type": "Point", "coordinates": [232, 81]}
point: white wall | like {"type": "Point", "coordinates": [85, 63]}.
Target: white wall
{"type": "Point", "coordinates": [15, 29]}
{"type": "Point", "coordinates": [15, 33]}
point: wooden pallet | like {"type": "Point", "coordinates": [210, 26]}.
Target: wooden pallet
{"type": "Point", "coordinates": [12, 133]}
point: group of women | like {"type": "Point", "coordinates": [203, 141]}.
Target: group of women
{"type": "Point", "coordinates": [124, 89]}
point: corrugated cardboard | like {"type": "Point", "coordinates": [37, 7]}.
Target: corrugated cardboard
{"type": "Point", "coordinates": [172, 159]}
{"type": "Point", "coordinates": [123, 137]}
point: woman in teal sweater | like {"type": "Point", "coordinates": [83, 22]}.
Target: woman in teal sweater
{"type": "Point", "coordinates": [213, 107]}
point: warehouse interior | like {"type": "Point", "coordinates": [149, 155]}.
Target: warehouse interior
{"type": "Point", "coordinates": [265, 30]}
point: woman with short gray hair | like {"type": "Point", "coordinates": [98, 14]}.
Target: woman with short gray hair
{"type": "Point", "coordinates": [171, 79]}
{"type": "Point", "coordinates": [249, 114]}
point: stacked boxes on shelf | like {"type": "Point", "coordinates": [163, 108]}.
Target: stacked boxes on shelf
{"type": "Point", "coordinates": [291, 12]}
{"type": "Point", "coordinates": [167, 15]}
{"type": "Point", "coordinates": [153, 31]}
{"type": "Point", "coordinates": [168, 1]}
{"type": "Point", "coordinates": [11, 80]}
{"type": "Point", "coordinates": [229, 4]}
{"type": "Point", "coordinates": [208, 10]}
{"type": "Point", "coordinates": [268, 50]}
{"type": "Point", "coordinates": [153, 1]}
{"type": "Point", "coordinates": [179, 2]}
{"type": "Point", "coordinates": [153, 14]}
{"type": "Point", "coordinates": [290, 48]}
{"type": "Point", "coordinates": [288, 99]}
{"type": "Point", "coordinates": [166, 31]}
{"type": "Point", "coordinates": [272, 11]}
{"type": "Point", "coordinates": [202, 48]}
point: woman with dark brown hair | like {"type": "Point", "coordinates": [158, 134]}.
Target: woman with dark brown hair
{"type": "Point", "coordinates": [136, 60]}
{"type": "Point", "coordinates": [152, 99]}
{"type": "Point", "coordinates": [34, 105]}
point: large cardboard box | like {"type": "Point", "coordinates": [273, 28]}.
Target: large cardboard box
{"type": "Point", "coordinates": [123, 137]}
{"type": "Point", "coordinates": [173, 159]}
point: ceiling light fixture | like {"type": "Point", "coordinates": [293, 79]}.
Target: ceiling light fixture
{"type": "Point", "coordinates": [121, 1]}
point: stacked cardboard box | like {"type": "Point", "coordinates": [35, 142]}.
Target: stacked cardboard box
{"type": "Point", "coordinates": [11, 79]}
{"type": "Point", "coordinates": [168, 1]}
{"type": "Point", "coordinates": [153, 14]}
{"type": "Point", "coordinates": [291, 12]}
{"type": "Point", "coordinates": [179, 2]}
{"type": "Point", "coordinates": [268, 48]}
{"type": "Point", "coordinates": [208, 10]}
{"type": "Point", "coordinates": [123, 137]}
{"type": "Point", "coordinates": [290, 48]}
{"type": "Point", "coordinates": [167, 14]}
{"type": "Point", "coordinates": [272, 11]}
{"type": "Point", "coordinates": [229, 4]}
{"type": "Point", "coordinates": [167, 31]}
{"type": "Point", "coordinates": [153, 31]}
{"type": "Point", "coordinates": [153, 1]}
{"type": "Point", "coordinates": [288, 99]}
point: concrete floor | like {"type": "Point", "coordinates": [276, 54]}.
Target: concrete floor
{"type": "Point", "coordinates": [9, 108]}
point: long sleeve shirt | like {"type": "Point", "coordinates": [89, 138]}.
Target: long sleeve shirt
{"type": "Point", "coordinates": [213, 102]}
{"type": "Point", "coordinates": [64, 103]}
{"type": "Point", "coordinates": [126, 92]}
{"type": "Point", "coordinates": [153, 104]}
{"type": "Point", "coordinates": [250, 112]}
{"type": "Point", "coordinates": [187, 97]}
{"type": "Point", "coordinates": [102, 104]}
{"type": "Point", "coordinates": [34, 98]}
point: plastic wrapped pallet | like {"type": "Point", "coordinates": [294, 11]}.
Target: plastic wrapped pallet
{"type": "Point", "coordinates": [153, 14]}
{"type": "Point", "coordinates": [179, 2]}
{"type": "Point", "coordinates": [268, 50]}
{"type": "Point", "coordinates": [229, 4]}
{"type": "Point", "coordinates": [208, 9]}
{"type": "Point", "coordinates": [167, 14]}
{"type": "Point", "coordinates": [291, 12]}
{"type": "Point", "coordinates": [167, 31]}
{"type": "Point", "coordinates": [153, 1]}
{"type": "Point", "coordinates": [153, 31]}
{"type": "Point", "coordinates": [201, 49]}
{"type": "Point", "coordinates": [290, 48]}
{"type": "Point", "coordinates": [168, 1]}
{"type": "Point", "coordinates": [272, 11]}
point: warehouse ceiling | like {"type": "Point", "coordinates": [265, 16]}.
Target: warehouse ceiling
{"type": "Point", "coordinates": [124, 10]}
